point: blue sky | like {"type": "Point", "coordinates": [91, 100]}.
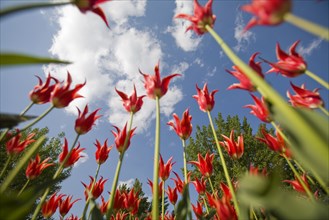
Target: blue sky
{"type": "Point", "coordinates": [142, 33]}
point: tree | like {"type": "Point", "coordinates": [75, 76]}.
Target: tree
{"type": "Point", "coordinates": [52, 147]}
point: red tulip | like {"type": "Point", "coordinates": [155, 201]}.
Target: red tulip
{"type": "Point", "coordinates": [74, 156]}
{"type": "Point", "coordinates": [132, 202]}
{"type": "Point", "coordinates": [97, 190]}
{"type": "Point", "coordinates": [245, 82]}
{"type": "Point", "coordinates": [260, 109]}
{"type": "Point", "coordinates": [183, 127]}
{"type": "Point", "coordinates": [296, 185]}
{"type": "Point", "coordinates": [223, 207]}
{"type": "Point", "coordinates": [305, 98]}
{"type": "Point", "coordinates": [120, 137]}
{"type": "Point", "coordinates": [276, 144]}
{"type": "Point", "coordinates": [201, 17]}
{"type": "Point", "coordinates": [35, 167]}
{"type": "Point", "coordinates": [41, 93]}
{"type": "Point", "coordinates": [102, 152]}
{"type": "Point", "coordinates": [204, 164]}
{"type": "Point", "coordinates": [15, 145]}
{"type": "Point", "coordinates": [132, 103]}
{"type": "Point", "coordinates": [104, 205]}
{"type": "Point", "coordinates": [172, 195]}
{"type": "Point", "coordinates": [84, 124]}
{"type": "Point", "coordinates": [72, 217]}
{"type": "Point", "coordinates": [200, 185]}
{"type": "Point", "coordinates": [234, 149]}
{"type": "Point", "coordinates": [267, 12]}
{"type": "Point", "coordinates": [155, 87]}
{"type": "Point", "coordinates": [62, 95]}
{"type": "Point", "coordinates": [254, 171]}
{"type": "Point", "coordinates": [49, 207]}
{"type": "Point", "coordinates": [160, 187]}
{"type": "Point", "coordinates": [164, 169]}
{"type": "Point", "coordinates": [289, 65]}
{"type": "Point", "coordinates": [178, 182]}
{"type": "Point", "coordinates": [119, 200]}
{"type": "Point", "coordinates": [205, 100]}
{"type": "Point", "coordinates": [120, 216]}
{"type": "Point", "coordinates": [92, 5]}
{"type": "Point", "coordinates": [198, 211]}
{"type": "Point", "coordinates": [226, 192]}
{"type": "Point", "coordinates": [66, 205]}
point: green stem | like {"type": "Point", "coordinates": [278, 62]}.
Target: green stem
{"type": "Point", "coordinates": [162, 198]}
{"type": "Point", "coordinates": [317, 78]}
{"type": "Point", "coordinates": [189, 210]}
{"type": "Point", "coordinates": [227, 176]}
{"type": "Point", "coordinates": [295, 119]}
{"type": "Point", "coordinates": [90, 193]}
{"type": "Point", "coordinates": [205, 204]}
{"type": "Point", "coordinates": [6, 165]}
{"type": "Point", "coordinates": [18, 8]}
{"type": "Point", "coordinates": [56, 175]}
{"type": "Point", "coordinates": [324, 110]}
{"type": "Point", "coordinates": [307, 190]}
{"type": "Point", "coordinates": [25, 185]}
{"type": "Point", "coordinates": [307, 26]}
{"type": "Point", "coordinates": [211, 185]}
{"type": "Point", "coordinates": [254, 214]}
{"type": "Point", "coordinates": [155, 201]}
{"type": "Point", "coordinates": [118, 169]}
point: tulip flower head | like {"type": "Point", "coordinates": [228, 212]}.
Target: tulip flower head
{"type": "Point", "coordinates": [305, 98]}
{"type": "Point", "coordinates": [102, 152]}
{"type": "Point", "coordinates": [132, 201]}
{"type": "Point", "coordinates": [200, 185]}
{"type": "Point", "coordinates": [260, 109]}
{"type": "Point", "coordinates": [234, 149]}
{"type": "Point", "coordinates": [97, 189]}
{"type": "Point", "coordinates": [131, 103]}
{"type": "Point", "coordinates": [296, 185]}
{"type": "Point", "coordinates": [49, 207]}
{"type": "Point", "coordinates": [204, 164]}
{"type": "Point", "coordinates": [254, 170]}
{"type": "Point", "coordinates": [92, 5]}
{"type": "Point", "coordinates": [245, 82]}
{"type": "Point", "coordinates": [72, 217]}
{"type": "Point", "coordinates": [120, 137]}
{"type": "Point", "coordinates": [198, 211]}
{"type": "Point", "coordinates": [35, 167]}
{"type": "Point", "coordinates": [150, 183]}
{"type": "Point", "coordinates": [84, 124]}
{"type": "Point", "coordinates": [289, 65]}
{"type": "Point", "coordinates": [205, 100]}
{"type": "Point", "coordinates": [41, 93]}
{"type": "Point", "coordinates": [276, 144]}
{"type": "Point", "coordinates": [172, 195]}
{"type": "Point", "coordinates": [201, 17]}
{"type": "Point", "coordinates": [179, 183]}
{"type": "Point", "coordinates": [66, 205]}
{"type": "Point", "coordinates": [165, 168]}
{"type": "Point", "coordinates": [15, 145]}
{"type": "Point", "coordinates": [104, 205]}
{"type": "Point", "coordinates": [62, 96]}
{"type": "Point", "coordinates": [223, 207]}
{"type": "Point", "coordinates": [183, 127]}
{"type": "Point", "coordinates": [74, 156]}
{"type": "Point", "coordinates": [154, 85]}
{"type": "Point", "coordinates": [266, 12]}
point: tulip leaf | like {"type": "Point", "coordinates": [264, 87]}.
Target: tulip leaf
{"type": "Point", "coordinates": [10, 59]}
{"type": "Point", "coordinates": [313, 155]}
{"type": "Point", "coordinates": [95, 212]}
{"type": "Point", "coordinates": [259, 191]}
{"type": "Point", "coordinates": [183, 207]}
{"type": "Point", "coordinates": [12, 120]}
{"type": "Point", "coordinates": [15, 207]}
{"type": "Point", "coordinates": [21, 163]}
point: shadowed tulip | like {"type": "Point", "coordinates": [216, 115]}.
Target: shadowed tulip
{"type": "Point", "coordinates": [15, 145]}
{"type": "Point", "coordinates": [201, 17]}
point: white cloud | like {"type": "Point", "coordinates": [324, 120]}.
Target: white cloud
{"type": "Point", "coordinates": [243, 38]}
{"type": "Point", "coordinates": [199, 62]}
{"type": "Point", "coordinates": [180, 68]}
{"type": "Point", "coordinates": [110, 58]}
{"type": "Point", "coordinates": [185, 40]}
{"type": "Point", "coordinates": [308, 50]}
{"type": "Point", "coordinates": [129, 183]}
{"type": "Point", "coordinates": [212, 72]}
{"type": "Point", "coordinates": [83, 159]}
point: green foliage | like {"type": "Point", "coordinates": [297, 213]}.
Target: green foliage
{"type": "Point", "coordinates": [10, 59]}
{"type": "Point", "coordinates": [183, 209]}
{"type": "Point", "coordinates": [51, 147]}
